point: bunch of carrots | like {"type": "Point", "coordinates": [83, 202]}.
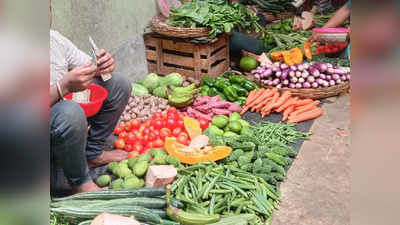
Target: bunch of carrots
{"type": "Point", "coordinates": [294, 110]}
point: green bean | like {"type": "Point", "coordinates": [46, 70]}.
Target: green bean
{"type": "Point", "coordinates": [186, 192]}
{"type": "Point", "coordinates": [209, 187]}
{"type": "Point", "coordinates": [223, 191]}
{"type": "Point", "coordinates": [193, 190]}
{"type": "Point", "coordinates": [238, 201]}
{"type": "Point", "coordinates": [212, 205]}
{"type": "Point", "coordinates": [176, 184]}
{"type": "Point", "coordinates": [239, 209]}
{"type": "Point", "coordinates": [236, 188]}
{"type": "Point", "coordinates": [204, 204]}
{"type": "Point", "coordinates": [203, 189]}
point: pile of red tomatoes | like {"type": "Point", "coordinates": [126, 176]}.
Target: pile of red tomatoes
{"type": "Point", "coordinates": [137, 137]}
{"type": "Point", "coordinates": [331, 48]}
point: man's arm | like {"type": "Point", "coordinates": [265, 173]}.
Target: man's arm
{"type": "Point", "coordinates": [339, 17]}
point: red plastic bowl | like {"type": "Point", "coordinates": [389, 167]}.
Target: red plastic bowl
{"type": "Point", "coordinates": [97, 96]}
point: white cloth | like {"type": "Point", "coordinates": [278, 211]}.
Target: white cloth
{"type": "Point", "coordinates": [64, 56]}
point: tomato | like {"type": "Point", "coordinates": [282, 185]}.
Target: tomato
{"type": "Point", "coordinates": [119, 143]}
{"type": "Point", "coordinates": [164, 116]}
{"type": "Point", "coordinates": [135, 124]}
{"type": "Point", "coordinates": [118, 129]}
{"type": "Point", "coordinates": [150, 145]}
{"type": "Point", "coordinates": [203, 123]}
{"type": "Point", "coordinates": [158, 143]}
{"type": "Point", "coordinates": [152, 137]}
{"type": "Point", "coordinates": [131, 139]}
{"type": "Point", "coordinates": [183, 138]}
{"type": "Point", "coordinates": [138, 148]}
{"type": "Point", "coordinates": [123, 135]}
{"type": "Point", "coordinates": [157, 124]}
{"type": "Point", "coordinates": [128, 126]}
{"type": "Point", "coordinates": [138, 135]}
{"type": "Point", "coordinates": [165, 132]}
{"type": "Point", "coordinates": [146, 131]}
{"type": "Point", "coordinates": [147, 124]}
{"type": "Point", "coordinates": [187, 142]}
{"type": "Point", "coordinates": [179, 123]}
{"type": "Point", "coordinates": [171, 124]}
{"type": "Point", "coordinates": [157, 115]}
{"type": "Point", "coordinates": [172, 110]}
{"type": "Point", "coordinates": [176, 131]}
{"type": "Point", "coordinates": [156, 133]}
{"type": "Point", "coordinates": [133, 154]}
{"type": "Point", "coordinates": [128, 147]}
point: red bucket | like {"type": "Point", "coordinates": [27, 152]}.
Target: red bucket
{"type": "Point", "coordinates": [97, 96]}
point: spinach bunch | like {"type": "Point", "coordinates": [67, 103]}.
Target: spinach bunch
{"type": "Point", "coordinates": [218, 15]}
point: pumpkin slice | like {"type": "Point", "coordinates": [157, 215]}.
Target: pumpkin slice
{"type": "Point", "coordinates": [297, 55]}
{"type": "Point", "coordinates": [192, 126]}
{"type": "Point", "coordinates": [193, 155]}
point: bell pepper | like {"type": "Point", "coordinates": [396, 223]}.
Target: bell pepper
{"type": "Point", "coordinates": [235, 79]}
{"type": "Point", "coordinates": [240, 90]}
{"type": "Point", "coordinates": [220, 84]}
{"type": "Point", "coordinates": [206, 80]}
{"type": "Point", "coordinates": [250, 85]}
{"type": "Point", "coordinates": [230, 93]}
{"type": "Point", "coordinates": [221, 96]}
{"type": "Point", "coordinates": [204, 90]}
{"type": "Point", "coordinates": [212, 92]}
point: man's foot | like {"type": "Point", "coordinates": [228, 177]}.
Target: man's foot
{"type": "Point", "coordinates": [89, 186]}
{"type": "Point", "coordinates": [107, 157]}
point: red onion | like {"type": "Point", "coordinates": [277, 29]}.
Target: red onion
{"type": "Point", "coordinates": [279, 86]}
{"type": "Point", "coordinates": [292, 73]}
{"type": "Point", "coordinates": [325, 83]}
{"type": "Point", "coordinates": [292, 85]}
{"type": "Point", "coordinates": [276, 82]}
{"type": "Point", "coordinates": [284, 66]}
{"type": "Point", "coordinates": [320, 81]}
{"type": "Point", "coordinates": [305, 74]}
{"type": "Point", "coordinates": [294, 68]}
{"type": "Point", "coordinates": [343, 77]}
{"type": "Point", "coordinates": [293, 79]}
{"type": "Point", "coordinates": [332, 83]}
{"type": "Point", "coordinates": [298, 74]}
{"type": "Point", "coordinates": [299, 85]}
{"type": "Point", "coordinates": [322, 76]}
{"type": "Point", "coordinates": [314, 85]}
{"type": "Point", "coordinates": [328, 77]}
{"type": "Point", "coordinates": [301, 80]}
{"type": "Point", "coordinates": [335, 76]}
{"type": "Point", "coordinates": [306, 85]}
{"type": "Point", "coordinates": [310, 79]}
{"type": "Point", "coordinates": [285, 82]}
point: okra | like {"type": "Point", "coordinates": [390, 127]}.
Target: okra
{"type": "Point", "coordinates": [209, 187]}
{"type": "Point", "coordinates": [212, 205]}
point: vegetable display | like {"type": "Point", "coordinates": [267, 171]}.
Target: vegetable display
{"type": "Point", "coordinates": [143, 107]}
{"type": "Point", "coordinates": [217, 15]}
{"type": "Point", "coordinates": [273, 6]}
{"type": "Point", "coordinates": [207, 107]}
{"type": "Point", "coordinates": [294, 110]}
{"type": "Point", "coordinates": [281, 42]}
{"type": "Point", "coordinates": [331, 48]}
{"type": "Point", "coordinates": [210, 189]}
{"type": "Point", "coordinates": [230, 87]}
{"type": "Point", "coordinates": [304, 75]}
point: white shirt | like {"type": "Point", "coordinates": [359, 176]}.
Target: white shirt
{"type": "Point", "coordinates": [64, 56]}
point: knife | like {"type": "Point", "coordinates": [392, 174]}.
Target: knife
{"type": "Point", "coordinates": [105, 76]}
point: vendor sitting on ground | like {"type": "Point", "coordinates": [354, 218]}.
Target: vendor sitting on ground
{"type": "Point", "coordinates": [74, 149]}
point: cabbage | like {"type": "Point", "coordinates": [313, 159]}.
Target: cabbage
{"type": "Point", "coordinates": [160, 92]}
{"type": "Point", "coordinates": [140, 80]}
{"type": "Point", "coordinates": [173, 79]}
{"type": "Point", "coordinates": [151, 82]}
{"type": "Point", "coordinates": [139, 90]}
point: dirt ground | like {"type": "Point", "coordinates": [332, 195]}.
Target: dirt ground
{"type": "Point", "coordinates": [317, 188]}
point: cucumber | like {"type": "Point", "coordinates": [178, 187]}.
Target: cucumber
{"type": "Point", "coordinates": [140, 213]}
{"type": "Point", "coordinates": [186, 218]}
{"type": "Point", "coordinates": [114, 194]}
{"type": "Point", "coordinates": [150, 203]}
{"type": "Point", "coordinates": [86, 222]}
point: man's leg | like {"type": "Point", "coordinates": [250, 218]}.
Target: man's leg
{"type": "Point", "coordinates": [104, 122]}
{"type": "Point", "coordinates": [68, 134]}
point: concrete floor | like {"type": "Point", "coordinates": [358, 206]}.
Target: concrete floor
{"type": "Point", "coordinates": [317, 188]}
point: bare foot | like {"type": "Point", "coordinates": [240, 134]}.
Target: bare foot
{"type": "Point", "coordinates": [107, 157]}
{"type": "Point", "coordinates": [89, 186]}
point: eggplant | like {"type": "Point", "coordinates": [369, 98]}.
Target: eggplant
{"type": "Point", "coordinates": [294, 68]}
{"type": "Point", "coordinates": [335, 76]}
{"type": "Point", "coordinates": [292, 85]}
{"type": "Point", "coordinates": [310, 79]}
{"type": "Point", "coordinates": [298, 73]}
{"type": "Point", "coordinates": [301, 80]}
{"type": "Point", "coordinates": [322, 76]}
{"type": "Point", "coordinates": [285, 74]}
{"type": "Point", "coordinates": [284, 66]}
{"type": "Point", "coordinates": [298, 85]}
{"type": "Point", "coordinates": [332, 83]}
{"type": "Point", "coordinates": [306, 85]}
{"type": "Point", "coordinates": [328, 77]}
{"type": "Point", "coordinates": [320, 81]}
{"type": "Point", "coordinates": [285, 82]}
{"type": "Point", "coordinates": [315, 85]}
{"type": "Point", "coordinates": [292, 73]}
{"type": "Point", "coordinates": [293, 79]}
{"type": "Point", "coordinates": [315, 72]}
{"type": "Point", "coordinates": [305, 74]}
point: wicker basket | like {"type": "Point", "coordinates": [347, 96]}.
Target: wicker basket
{"type": "Point", "coordinates": [318, 93]}
{"type": "Point", "coordinates": [161, 27]}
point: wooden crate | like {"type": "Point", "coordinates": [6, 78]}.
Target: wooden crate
{"type": "Point", "coordinates": [165, 55]}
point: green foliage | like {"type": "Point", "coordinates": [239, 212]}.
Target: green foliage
{"type": "Point", "coordinates": [217, 15]}
{"type": "Point", "coordinates": [173, 161]}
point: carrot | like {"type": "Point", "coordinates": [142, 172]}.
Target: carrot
{"type": "Point", "coordinates": [270, 105]}
{"type": "Point", "coordinates": [306, 116]}
{"type": "Point", "coordinates": [286, 105]}
{"type": "Point", "coordinates": [251, 99]}
{"type": "Point", "coordinates": [265, 113]}
{"type": "Point", "coordinates": [305, 108]}
{"type": "Point", "coordinates": [262, 98]}
{"type": "Point", "coordinates": [303, 102]}
{"type": "Point", "coordinates": [284, 97]}
{"type": "Point", "coordinates": [263, 103]}
{"type": "Point", "coordinates": [287, 112]}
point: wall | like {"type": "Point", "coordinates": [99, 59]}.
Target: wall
{"type": "Point", "coordinates": [115, 25]}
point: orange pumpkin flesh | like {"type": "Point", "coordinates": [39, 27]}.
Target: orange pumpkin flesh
{"type": "Point", "coordinates": [307, 50]}
{"type": "Point", "coordinates": [192, 126]}
{"type": "Point", "coordinates": [192, 155]}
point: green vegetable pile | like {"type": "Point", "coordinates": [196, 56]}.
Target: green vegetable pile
{"type": "Point", "coordinates": [274, 41]}
{"type": "Point", "coordinates": [273, 6]}
{"type": "Point", "coordinates": [157, 85]}
{"type": "Point", "coordinates": [129, 173]}
{"type": "Point", "coordinates": [225, 126]}
{"type": "Point", "coordinates": [284, 27]}
{"type": "Point", "coordinates": [333, 61]}
{"type": "Point", "coordinates": [229, 87]}
{"type": "Point", "coordinates": [209, 188]}
{"type": "Point", "coordinates": [217, 15]}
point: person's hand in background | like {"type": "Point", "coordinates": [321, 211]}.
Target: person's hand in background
{"type": "Point", "coordinates": [297, 25]}
{"type": "Point", "coordinates": [105, 62]}
{"type": "Point", "coordinates": [78, 79]}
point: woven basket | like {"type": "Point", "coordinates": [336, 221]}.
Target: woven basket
{"type": "Point", "coordinates": [161, 27]}
{"type": "Point", "coordinates": [317, 93]}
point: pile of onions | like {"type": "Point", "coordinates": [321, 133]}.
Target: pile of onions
{"type": "Point", "coordinates": [305, 75]}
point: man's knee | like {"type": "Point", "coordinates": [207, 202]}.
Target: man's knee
{"type": "Point", "coordinates": [68, 117]}
{"type": "Point", "coordinates": [122, 84]}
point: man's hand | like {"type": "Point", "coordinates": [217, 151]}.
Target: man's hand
{"type": "Point", "coordinates": [297, 25]}
{"type": "Point", "coordinates": [105, 62]}
{"type": "Point", "coordinates": [78, 79]}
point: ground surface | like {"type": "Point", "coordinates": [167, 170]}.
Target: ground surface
{"type": "Point", "coordinates": [317, 187]}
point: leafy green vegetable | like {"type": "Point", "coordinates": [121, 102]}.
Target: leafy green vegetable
{"type": "Point", "coordinates": [217, 15]}
{"type": "Point", "coordinates": [273, 6]}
